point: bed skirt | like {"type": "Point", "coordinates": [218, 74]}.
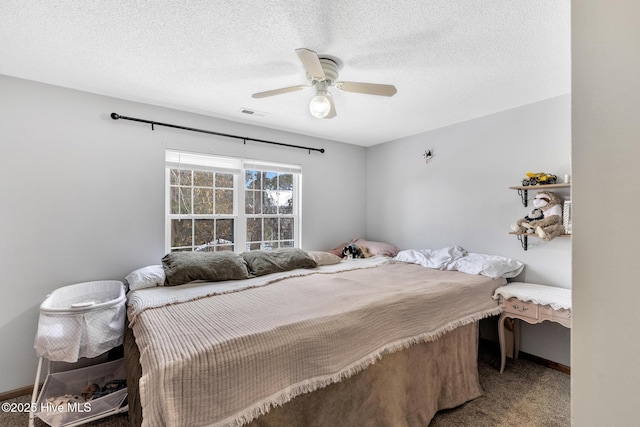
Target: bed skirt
{"type": "Point", "coordinates": [404, 388]}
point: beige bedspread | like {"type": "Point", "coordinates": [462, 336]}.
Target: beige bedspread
{"type": "Point", "coordinates": [226, 359]}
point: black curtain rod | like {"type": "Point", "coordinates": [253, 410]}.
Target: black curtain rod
{"type": "Point", "coordinates": [116, 116]}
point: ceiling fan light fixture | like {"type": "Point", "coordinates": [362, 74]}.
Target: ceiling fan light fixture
{"type": "Point", "coordinates": [320, 106]}
{"type": "Point", "coordinates": [322, 73]}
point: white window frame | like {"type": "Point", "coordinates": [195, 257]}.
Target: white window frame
{"type": "Point", "coordinates": [236, 166]}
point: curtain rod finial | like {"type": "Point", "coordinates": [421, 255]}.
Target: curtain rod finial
{"type": "Point", "coordinates": [115, 116]}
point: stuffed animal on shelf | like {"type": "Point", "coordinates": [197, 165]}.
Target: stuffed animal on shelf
{"type": "Point", "coordinates": [354, 251]}
{"type": "Point", "coordinates": [545, 219]}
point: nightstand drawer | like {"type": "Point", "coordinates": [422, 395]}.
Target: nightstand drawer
{"type": "Point", "coordinates": [556, 315]}
{"type": "Point", "coordinates": [523, 309]}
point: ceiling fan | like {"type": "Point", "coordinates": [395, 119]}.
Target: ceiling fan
{"type": "Point", "coordinates": [322, 72]}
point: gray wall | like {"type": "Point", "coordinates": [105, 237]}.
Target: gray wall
{"type": "Point", "coordinates": [83, 196]}
{"type": "Point", "coordinates": [606, 131]}
{"type": "Point", "coordinates": [462, 197]}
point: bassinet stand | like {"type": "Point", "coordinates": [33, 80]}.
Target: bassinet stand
{"type": "Point", "coordinates": [100, 304]}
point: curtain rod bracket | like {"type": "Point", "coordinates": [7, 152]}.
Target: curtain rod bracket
{"type": "Point", "coordinates": [116, 116]}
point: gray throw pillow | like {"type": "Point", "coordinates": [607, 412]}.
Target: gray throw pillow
{"type": "Point", "coordinates": [185, 267]}
{"type": "Point", "coordinates": [277, 260]}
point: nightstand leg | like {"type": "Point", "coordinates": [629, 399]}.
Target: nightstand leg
{"type": "Point", "coordinates": [516, 338]}
{"type": "Point", "coordinates": [503, 350]}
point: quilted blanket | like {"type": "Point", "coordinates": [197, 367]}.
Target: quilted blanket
{"type": "Point", "coordinates": [225, 359]}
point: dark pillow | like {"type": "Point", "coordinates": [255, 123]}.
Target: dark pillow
{"type": "Point", "coordinates": [277, 260]}
{"type": "Point", "coordinates": [185, 267]}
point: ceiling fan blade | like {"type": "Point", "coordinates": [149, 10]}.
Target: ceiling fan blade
{"type": "Point", "coordinates": [368, 88]}
{"type": "Point", "coordinates": [311, 63]}
{"type": "Point", "coordinates": [279, 91]}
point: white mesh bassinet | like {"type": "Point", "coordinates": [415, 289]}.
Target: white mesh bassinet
{"type": "Point", "coordinates": [81, 320]}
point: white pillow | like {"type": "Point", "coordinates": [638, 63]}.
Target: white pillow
{"type": "Point", "coordinates": [457, 258]}
{"type": "Point", "coordinates": [431, 258]}
{"type": "Point", "coordinates": [487, 265]}
{"type": "Point", "coordinates": [146, 277]}
{"type": "Point", "coordinates": [324, 258]}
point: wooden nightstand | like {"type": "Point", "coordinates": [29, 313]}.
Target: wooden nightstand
{"type": "Point", "coordinates": [533, 304]}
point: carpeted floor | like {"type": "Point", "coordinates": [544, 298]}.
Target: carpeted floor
{"type": "Point", "coordinates": [525, 395]}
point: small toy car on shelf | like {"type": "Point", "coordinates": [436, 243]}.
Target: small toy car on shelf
{"type": "Point", "coordinates": [539, 178]}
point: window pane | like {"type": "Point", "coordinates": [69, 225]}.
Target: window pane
{"type": "Point", "coordinates": [204, 232]}
{"type": "Point", "coordinates": [224, 202]}
{"type": "Point", "coordinates": [269, 202]}
{"type": "Point", "coordinates": [254, 229]}
{"type": "Point", "coordinates": [202, 179]}
{"type": "Point", "coordinates": [286, 228]}
{"type": "Point", "coordinates": [285, 181]}
{"type": "Point", "coordinates": [253, 179]}
{"type": "Point", "coordinates": [180, 177]}
{"type": "Point", "coordinates": [253, 202]}
{"type": "Point", "coordinates": [180, 200]}
{"type": "Point", "coordinates": [249, 203]}
{"type": "Point", "coordinates": [224, 231]}
{"type": "Point", "coordinates": [181, 232]}
{"type": "Point", "coordinates": [285, 202]}
{"type": "Point", "coordinates": [224, 180]}
{"type": "Point", "coordinates": [203, 201]}
{"type": "Point", "coordinates": [270, 180]}
{"type": "Point", "coordinates": [287, 244]}
{"type": "Point", "coordinates": [271, 229]}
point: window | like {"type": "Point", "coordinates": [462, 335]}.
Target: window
{"type": "Point", "coordinates": [205, 195]}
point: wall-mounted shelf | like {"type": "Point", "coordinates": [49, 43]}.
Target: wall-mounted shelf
{"type": "Point", "coordinates": [523, 190]}
{"type": "Point", "coordinates": [524, 238]}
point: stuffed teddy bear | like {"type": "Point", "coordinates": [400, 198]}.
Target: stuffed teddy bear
{"type": "Point", "coordinates": [545, 219]}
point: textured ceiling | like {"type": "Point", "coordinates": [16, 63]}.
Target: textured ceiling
{"type": "Point", "coordinates": [450, 60]}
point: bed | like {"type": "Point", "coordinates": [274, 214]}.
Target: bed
{"type": "Point", "coordinates": [374, 341]}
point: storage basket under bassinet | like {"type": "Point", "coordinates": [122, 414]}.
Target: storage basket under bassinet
{"type": "Point", "coordinates": [84, 320]}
